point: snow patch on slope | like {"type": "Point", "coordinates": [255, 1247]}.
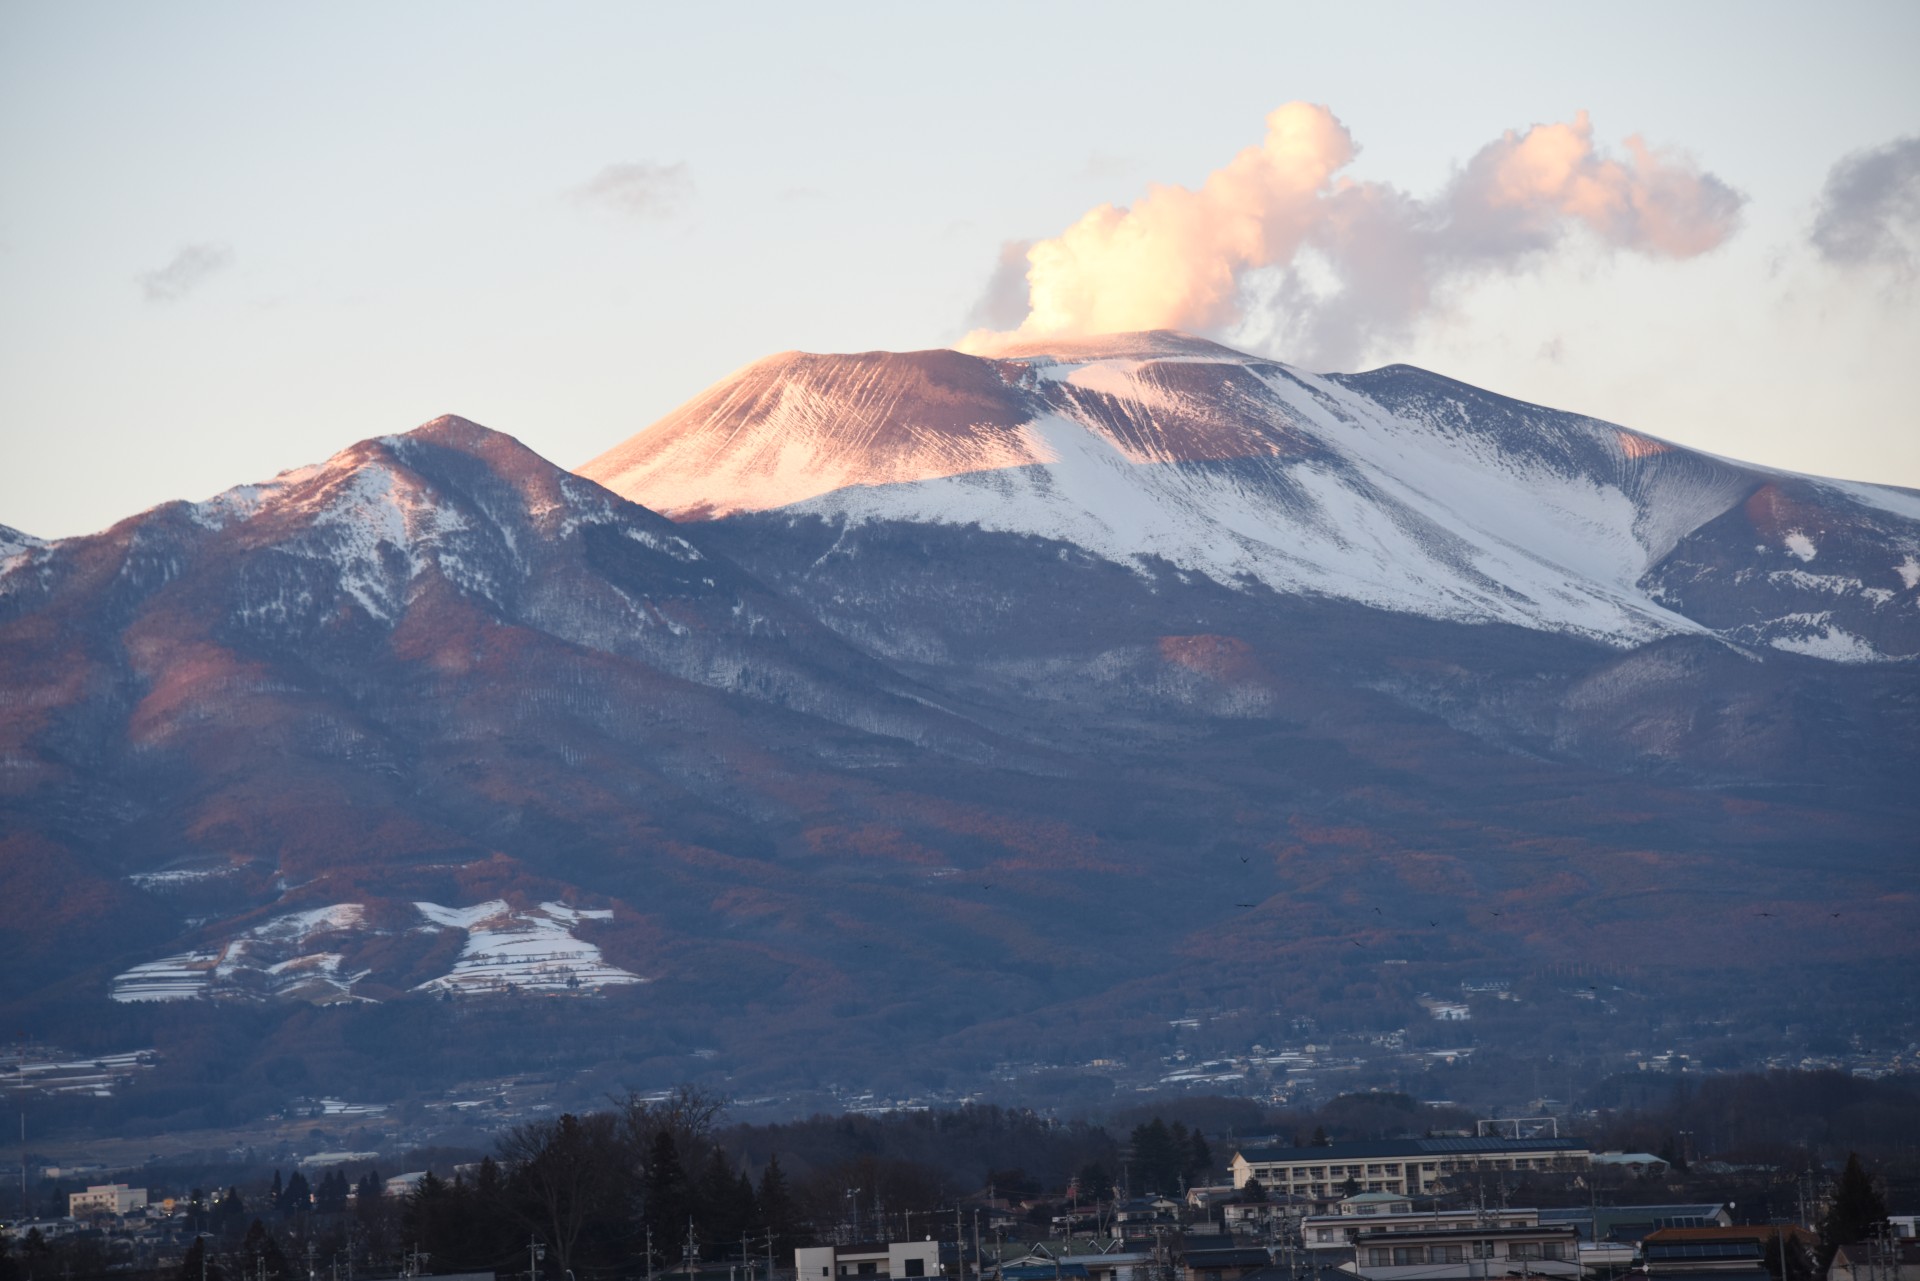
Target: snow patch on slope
{"type": "Point", "coordinates": [531, 949]}
{"type": "Point", "coordinates": [14, 546]}
{"type": "Point", "coordinates": [1392, 519]}
{"type": "Point", "coordinates": [1817, 636]}
{"type": "Point", "coordinates": [184, 976]}
{"type": "Point", "coordinates": [269, 960]}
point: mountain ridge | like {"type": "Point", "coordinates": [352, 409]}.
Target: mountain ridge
{"type": "Point", "coordinates": [1396, 487]}
{"type": "Point", "coordinates": [859, 795]}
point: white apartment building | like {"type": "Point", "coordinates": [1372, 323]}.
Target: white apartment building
{"type": "Point", "coordinates": [894, 1260]}
{"type": "Point", "coordinates": [106, 1198]}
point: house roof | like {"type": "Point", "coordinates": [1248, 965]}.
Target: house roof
{"type": "Point", "coordinates": [1372, 1149]}
{"type": "Point", "coordinates": [1444, 1233]}
{"type": "Point", "coordinates": [1237, 1257]}
{"type": "Point", "coordinates": [1624, 1222]}
{"type": "Point", "coordinates": [1702, 1251]}
{"type": "Point", "coordinates": [1738, 1232]}
{"type": "Point", "coordinates": [1906, 1252]}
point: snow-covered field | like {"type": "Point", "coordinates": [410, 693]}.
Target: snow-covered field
{"type": "Point", "coordinates": [181, 977]}
{"type": "Point", "coordinates": [23, 1071]}
{"type": "Point", "coordinates": [531, 949]}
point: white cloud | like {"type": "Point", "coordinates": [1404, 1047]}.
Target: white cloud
{"type": "Point", "coordinates": [1870, 209]}
{"type": "Point", "coordinates": [638, 189]}
{"type": "Point", "coordinates": [192, 267]}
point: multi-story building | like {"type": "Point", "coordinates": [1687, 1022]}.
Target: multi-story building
{"type": "Point", "coordinates": [1332, 1238]}
{"type": "Point", "coordinates": [1409, 1167]}
{"type": "Point", "coordinates": [106, 1198]}
{"type": "Point", "coordinates": [893, 1260]}
{"type": "Point", "coordinates": [1466, 1253]}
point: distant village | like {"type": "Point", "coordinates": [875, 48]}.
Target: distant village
{"type": "Point", "coordinates": [648, 1191]}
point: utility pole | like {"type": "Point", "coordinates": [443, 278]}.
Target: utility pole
{"type": "Point", "coordinates": [959, 1244]}
{"type": "Point", "coordinates": [534, 1251]}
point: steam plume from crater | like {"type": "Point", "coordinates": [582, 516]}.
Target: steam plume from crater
{"type": "Point", "coordinates": [1277, 240]}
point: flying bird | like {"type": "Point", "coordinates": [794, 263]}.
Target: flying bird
{"type": "Point", "coordinates": [1763, 913]}
{"type": "Point", "coordinates": [1376, 911]}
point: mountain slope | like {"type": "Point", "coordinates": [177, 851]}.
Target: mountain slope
{"type": "Point", "coordinates": [897, 783]}
{"type": "Point", "coordinates": [315, 687]}
{"type": "Point", "coordinates": [1397, 489]}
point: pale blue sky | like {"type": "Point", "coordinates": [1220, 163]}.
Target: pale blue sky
{"type": "Point", "coordinates": [382, 209]}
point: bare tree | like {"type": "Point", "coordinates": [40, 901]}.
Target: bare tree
{"type": "Point", "coordinates": [567, 1175]}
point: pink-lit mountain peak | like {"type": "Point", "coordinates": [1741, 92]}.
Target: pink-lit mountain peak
{"type": "Point", "coordinates": [798, 425]}
{"type": "Point", "coordinates": [1397, 489]}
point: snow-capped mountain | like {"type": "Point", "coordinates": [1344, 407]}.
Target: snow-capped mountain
{"type": "Point", "coordinates": [969, 704]}
{"type": "Point", "coordinates": [1395, 489]}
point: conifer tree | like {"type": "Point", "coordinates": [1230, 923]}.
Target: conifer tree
{"type": "Point", "coordinates": [298, 1196]}
{"type": "Point", "coordinates": [1856, 1211]}
{"type": "Point", "coordinates": [1200, 1161]}
{"type": "Point", "coordinates": [776, 1202]}
{"type": "Point", "coordinates": [196, 1263]}
{"type": "Point", "coordinates": [668, 1195]}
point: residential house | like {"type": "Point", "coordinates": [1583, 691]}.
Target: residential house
{"type": "Point", "coordinates": [1889, 1259]}
{"type": "Point", "coordinates": [1734, 1252]}
{"type": "Point", "coordinates": [1095, 1258]}
{"type": "Point", "coordinates": [1228, 1264]}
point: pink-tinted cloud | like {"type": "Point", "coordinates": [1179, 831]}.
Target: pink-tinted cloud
{"type": "Point", "coordinates": [1327, 265]}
